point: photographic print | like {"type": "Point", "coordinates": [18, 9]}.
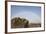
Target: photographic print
{"type": "Point", "coordinates": [24, 16]}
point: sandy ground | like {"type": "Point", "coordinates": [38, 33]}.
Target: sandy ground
{"type": "Point", "coordinates": [32, 25]}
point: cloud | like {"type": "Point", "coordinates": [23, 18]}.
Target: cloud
{"type": "Point", "coordinates": [32, 17]}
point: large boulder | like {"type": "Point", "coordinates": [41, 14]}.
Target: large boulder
{"type": "Point", "coordinates": [18, 22]}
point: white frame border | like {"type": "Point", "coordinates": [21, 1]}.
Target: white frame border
{"type": "Point", "coordinates": [24, 29]}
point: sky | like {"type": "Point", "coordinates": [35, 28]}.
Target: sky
{"type": "Point", "coordinates": [32, 13]}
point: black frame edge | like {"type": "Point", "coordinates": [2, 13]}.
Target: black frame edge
{"type": "Point", "coordinates": [5, 17]}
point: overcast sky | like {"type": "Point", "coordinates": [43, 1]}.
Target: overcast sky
{"type": "Point", "coordinates": [32, 13]}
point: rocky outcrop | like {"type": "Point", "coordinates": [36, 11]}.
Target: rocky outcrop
{"type": "Point", "coordinates": [18, 22]}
